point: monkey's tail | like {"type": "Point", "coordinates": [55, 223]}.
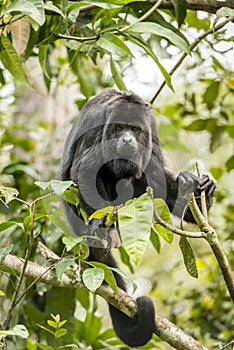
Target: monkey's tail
{"type": "Point", "coordinates": [136, 331]}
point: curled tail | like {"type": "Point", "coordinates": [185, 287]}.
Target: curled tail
{"type": "Point", "coordinates": [136, 331]}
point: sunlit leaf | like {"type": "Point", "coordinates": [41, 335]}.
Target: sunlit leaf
{"type": "Point", "coordinates": [156, 29]}
{"type": "Point", "coordinates": [135, 219]}
{"type": "Point", "coordinates": [11, 61]}
{"type": "Point", "coordinates": [93, 278]}
{"type": "Point", "coordinates": [34, 9]}
{"type": "Point", "coordinates": [113, 44]}
{"type": "Point", "coordinates": [20, 32]}
{"type": "Point", "coordinates": [116, 75]}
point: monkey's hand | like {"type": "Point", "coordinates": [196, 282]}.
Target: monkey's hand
{"type": "Point", "coordinates": [188, 182]}
{"type": "Point", "coordinates": [101, 237]}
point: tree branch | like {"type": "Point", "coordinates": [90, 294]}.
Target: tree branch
{"type": "Point", "coordinates": [210, 6]}
{"type": "Point", "coordinates": [192, 46]}
{"type": "Point", "coordinates": [166, 330]}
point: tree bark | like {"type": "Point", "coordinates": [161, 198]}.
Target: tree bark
{"type": "Point", "coordinates": [210, 6]}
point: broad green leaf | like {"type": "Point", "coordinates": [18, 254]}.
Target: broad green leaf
{"type": "Point", "coordinates": [148, 50]}
{"type": "Point", "coordinates": [180, 10]}
{"type": "Point", "coordinates": [189, 257]}
{"type": "Point", "coordinates": [93, 278]}
{"type": "Point", "coordinates": [114, 45]}
{"type": "Point", "coordinates": [116, 75]}
{"type": "Point", "coordinates": [20, 33]}
{"type": "Point", "coordinates": [49, 6]}
{"type": "Point", "coordinates": [71, 195]}
{"type": "Point", "coordinates": [165, 215]}
{"type": "Point", "coordinates": [71, 241]}
{"type": "Point", "coordinates": [42, 184]}
{"type": "Point", "coordinates": [7, 269]}
{"type": "Point", "coordinates": [11, 61]}
{"type": "Point", "coordinates": [19, 331]}
{"type": "Point", "coordinates": [34, 9]}
{"type": "Point", "coordinates": [99, 214]}
{"type": "Point", "coordinates": [9, 193]}
{"type": "Point", "coordinates": [7, 224]}
{"type": "Point", "coordinates": [60, 186]}
{"type": "Point", "coordinates": [63, 265]}
{"type": "Point", "coordinates": [109, 277]}
{"type": "Point", "coordinates": [156, 29]}
{"type": "Point", "coordinates": [135, 219]}
{"type": "Point", "coordinates": [4, 252]}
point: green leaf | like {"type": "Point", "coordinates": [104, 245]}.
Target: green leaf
{"type": "Point", "coordinates": [189, 257]}
{"type": "Point", "coordinates": [60, 186]}
{"type": "Point", "coordinates": [42, 184]}
{"type": "Point", "coordinates": [114, 45]}
{"type": "Point", "coordinates": [165, 215]}
{"type": "Point", "coordinates": [11, 61]}
{"type": "Point", "coordinates": [230, 130]}
{"type": "Point", "coordinates": [49, 6]}
{"type": "Point", "coordinates": [99, 214]}
{"type": "Point", "coordinates": [60, 333]}
{"type": "Point", "coordinates": [180, 10]}
{"type": "Point", "coordinates": [148, 50]}
{"type": "Point", "coordinates": [126, 259]}
{"type": "Point", "coordinates": [109, 277]}
{"type": "Point", "coordinates": [63, 265]}
{"type": "Point", "coordinates": [211, 94]}
{"type": "Point", "coordinates": [34, 9]}
{"type": "Point", "coordinates": [19, 331]}
{"type": "Point", "coordinates": [71, 241]}
{"type": "Point", "coordinates": [71, 195]}
{"type": "Point", "coordinates": [155, 239]}
{"type": "Point", "coordinates": [52, 324]}
{"type": "Point", "coordinates": [7, 224]}
{"type": "Point", "coordinates": [4, 252]}
{"type": "Point", "coordinates": [135, 220]}
{"type": "Point", "coordinates": [157, 29]}
{"type": "Point", "coordinates": [116, 75]}
{"type": "Point", "coordinates": [9, 193]}
{"type": "Point", "coordinates": [42, 56]}
{"type": "Point", "coordinates": [7, 269]}
{"type": "Point", "coordinates": [93, 278]}
{"type": "Point", "coordinates": [230, 163]}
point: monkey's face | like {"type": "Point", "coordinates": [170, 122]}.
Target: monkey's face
{"type": "Point", "coordinates": [126, 143]}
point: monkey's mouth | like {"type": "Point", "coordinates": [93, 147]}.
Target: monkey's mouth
{"type": "Point", "coordinates": [127, 150]}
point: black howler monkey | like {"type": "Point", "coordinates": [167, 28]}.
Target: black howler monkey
{"type": "Point", "coordinates": [113, 153]}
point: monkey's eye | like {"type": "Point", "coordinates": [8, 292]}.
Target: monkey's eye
{"type": "Point", "coordinates": [119, 127]}
{"type": "Point", "coordinates": [135, 129]}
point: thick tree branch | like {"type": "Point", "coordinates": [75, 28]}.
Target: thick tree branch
{"type": "Point", "coordinates": [166, 330]}
{"type": "Point", "coordinates": [210, 6]}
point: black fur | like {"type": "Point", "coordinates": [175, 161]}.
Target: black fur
{"type": "Point", "coordinates": [113, 153]}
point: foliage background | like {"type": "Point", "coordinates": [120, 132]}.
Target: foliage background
{"type": "Point", "coordinates": [45, 80]}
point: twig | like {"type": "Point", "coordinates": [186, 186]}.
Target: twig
{"type": "Point", "coordinates": [192, 46]}
{"type": "Point", "coordinates": [203, 194]}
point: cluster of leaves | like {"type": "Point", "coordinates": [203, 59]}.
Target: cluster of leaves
{"type": "Point", "coordinates": [107, 27]}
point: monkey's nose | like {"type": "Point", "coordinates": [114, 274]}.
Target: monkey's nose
{"type": "Point", "coordinates": [127, 139]}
